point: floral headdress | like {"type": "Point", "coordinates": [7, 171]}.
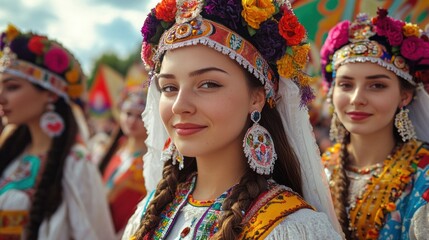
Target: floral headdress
{"type": "Point", "coordinates": [398, 46]}
{"type": "Point", "coordinates": [263, 36]}
{"type": "Point", "coordinates": [41, 61]}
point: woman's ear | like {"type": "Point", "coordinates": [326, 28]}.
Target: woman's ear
{"type": "Point", "coordinates": [257, 99]}
{"type": "Point", "coordinates": [52, 97]}
{"type": "Point", "coordinates": [406, 97]}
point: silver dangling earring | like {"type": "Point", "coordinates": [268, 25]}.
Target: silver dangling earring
{"type": "Point", "coordinates": [337, 132]}
{"type": "Point", "coordinates": [259, 147]}
{"type": "Point", "coordinates": [170, 152]}
{"type": "Point", "coordinates": [404, 125]}
{"type": "Point", "coordinates": [51, 122]}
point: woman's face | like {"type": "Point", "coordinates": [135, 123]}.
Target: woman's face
{"type": "Point", "coordinates": [205, 100]}
{"type": "Point", "coordinates": [131, 123]}
{"type": "Point", "coordinates": [366, 97]}
{"type": "Point", "coordinates": [20, 101]}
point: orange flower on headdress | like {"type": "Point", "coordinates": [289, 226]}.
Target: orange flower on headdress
{"type": "Point", "coordinates": [11, 32]}
{"type": "Point", "coordinates": [75, 91]}
{"type": "Point", "coordinates": [257, 11]}
{"type": "Point", "coordinates": [411, 30]}
{"type": "Point", "coordinates": [166, 10]}
{"type": "Point", "coordinates": [36, 44]}
{"type": "Point", "coordinates": [291, 29]}
{"type": "Point", "coordinates": [72, 76]}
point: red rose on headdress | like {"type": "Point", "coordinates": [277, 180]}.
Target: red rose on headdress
{"type": "Point", "coordinates": [166, 10]}
{"type": "Point", "coordinates": [395, 37]}
{"type": "Point", "coordinates": [291, 29]}
{"type": "Point", "coordinates": [56, 59]}
{"type": "Point", "coordinates": [36, 44]}
{"type": "Point", "coordinates": [410, 48]}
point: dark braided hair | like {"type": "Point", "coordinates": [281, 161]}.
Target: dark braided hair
{"type": "Point", "coordinates": [286, 172]}
{"type": "Point", "coordinates": [340, 191]}
{"type": "Point", "coordinates": [48, 194]}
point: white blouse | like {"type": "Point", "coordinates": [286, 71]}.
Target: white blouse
{"type": "Point", "coordinates": [84, 212]}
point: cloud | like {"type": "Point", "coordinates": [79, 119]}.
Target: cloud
{"type": "Point", "coordinates": [26, 17]}
{"type": "Point", "coordinates": [119, 35]}
{"type": "Point", "coordinates": [122, 4]}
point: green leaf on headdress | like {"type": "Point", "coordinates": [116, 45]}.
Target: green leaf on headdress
{"type": "Point", "coordinates": [165, 25]}
{"type": "Point", "coordinates": [155, 39]}
{"type": "Point", "coordinates": [289, 51]}
{"type": "Point", "coordinates": [396, 50]}
{"type": "Point", "coordinates": [251, 30]}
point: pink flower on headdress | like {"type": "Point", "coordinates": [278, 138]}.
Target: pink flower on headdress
{"type": "Point", "coordinates": [56, 59]}
{"type": "Point", "coordinates": [146, 54]}
{"type": "Point", "coordinates": [36, 44]}
{"type": "Point", "coordinates": [338, 36]}
{"type": "Point", "coordinates": [291, 29]}
{"type": "Point", "coordinates": [411, 48]}
{"type": "Point", "coordinates": [166, 10]}
{"type": "Point", "coordinates": [395, 37]}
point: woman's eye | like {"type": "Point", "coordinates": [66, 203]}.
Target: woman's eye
{"type": "Point", "coordinates": [210, 84]}
{"type": "Point", "coordinates": [378, 86]}
{"type": "Point", "coordinates": [344, 85]}
{"type": "Point", "coordinates": [11, 87]}
{"type": "Point", "coordinates": [168, 88]}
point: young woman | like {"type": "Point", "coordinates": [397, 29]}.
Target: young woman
{"type": "Point", "coordinates": [122, 164]}
{"type": "Point", "coordinates": [240, 152]}
{"type": "Point", "coordinates": [378, 170]}
{"type": "Point", "coordinates": [48, 187]}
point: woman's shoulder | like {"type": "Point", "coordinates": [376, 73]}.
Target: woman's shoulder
{"type": "Point", "coordinates": [304, 224]}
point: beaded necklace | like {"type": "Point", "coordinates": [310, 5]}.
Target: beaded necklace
{"type": "Point", "coordinates": [377, 199]}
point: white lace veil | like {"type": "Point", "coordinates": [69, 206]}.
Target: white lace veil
{"type": "Point", "coordinates": [419, 113]}
{"type": "Point", "coordinates": [298, 130]}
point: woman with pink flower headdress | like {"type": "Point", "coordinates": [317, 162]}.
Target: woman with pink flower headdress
{"type": "Point", "coordinates": [226, 114]}
{"type": "Point", "coordinates": [379, 167]}
{"type": "Point", "coordinates": [48, 187]}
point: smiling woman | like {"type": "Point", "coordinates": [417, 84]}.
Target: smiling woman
{"type": "Point", "coordinates": [48, 189]}
{"type": "Point", "coordinates": [379, 168]}
{"type": "Point", "coordinates": [240, 160]}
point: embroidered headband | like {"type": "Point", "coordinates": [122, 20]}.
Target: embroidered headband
{"type": "Point", "coordinates": [264, 37]}
{"type": "Point", "coordinates": [390, 43]}
{"type": "Point", "coordinates": [41, 61]}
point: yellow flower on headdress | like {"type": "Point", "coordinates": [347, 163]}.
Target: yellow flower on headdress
{"type": "Point", "coordinates": [257, 11]}
{"type": "Point", "coordinates": [284, 66]}
{"type": "Point", "coordinates": [300, 54]}
{"type": "Point", "coordinates": [411, 30]}
{"type": "Point", "coordinates": [11, 32]}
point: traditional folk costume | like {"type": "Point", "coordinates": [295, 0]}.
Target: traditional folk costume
{"type": "Point", "coordinates": [388, 200]}
{"type": "Point", "coordinates": [83, 212]}
{"type": "Point", "coordinates": [393, 197]}
{"type": "Point", "coordinates": [125, 183]}
{"type": "Point", "coordinates": [278, 39]}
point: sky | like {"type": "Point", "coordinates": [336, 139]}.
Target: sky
{"type": "Point", "coordinates": [88, 28]}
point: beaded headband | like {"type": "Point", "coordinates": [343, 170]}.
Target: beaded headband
{"type": "Point", "coordinates": [264, 37]}
{"type": "Point", "coordinates": [41, 61]}
{"type": "Point", "coordinates": [390, 43]}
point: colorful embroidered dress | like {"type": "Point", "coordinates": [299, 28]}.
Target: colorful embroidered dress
{"type": "Point", "coordinates": [124, 180]}
{"type": "Point", "coordinates": [389, 201]}
{"type": "Point", "coordinates": [83, 214]}
{"type": "Point", "coordinates": [278, 213]}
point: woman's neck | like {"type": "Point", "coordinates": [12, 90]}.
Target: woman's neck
{"type": "Point", "coordinates": [133, 145]}
{"type": "Point", "coordinates": [218, 173]}
{"type": "Point", "coordinates": [365, 151]}
{"type": "Point", "coordinates": [40, 141]}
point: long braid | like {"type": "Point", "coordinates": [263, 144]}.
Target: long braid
{"type": "Point", "coordinates": [237, 203]}
{"type": "Point", "coordinates": [341, 189]}
{"type": "Point", "coordinates": [48, 195]}
{"type": "Point", "coordinates": [164, 194]}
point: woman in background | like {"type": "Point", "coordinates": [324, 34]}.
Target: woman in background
{"type": "Point", "coordinates": [379, 167]}
{"type": "Point", "coordinates": [48, 187]}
